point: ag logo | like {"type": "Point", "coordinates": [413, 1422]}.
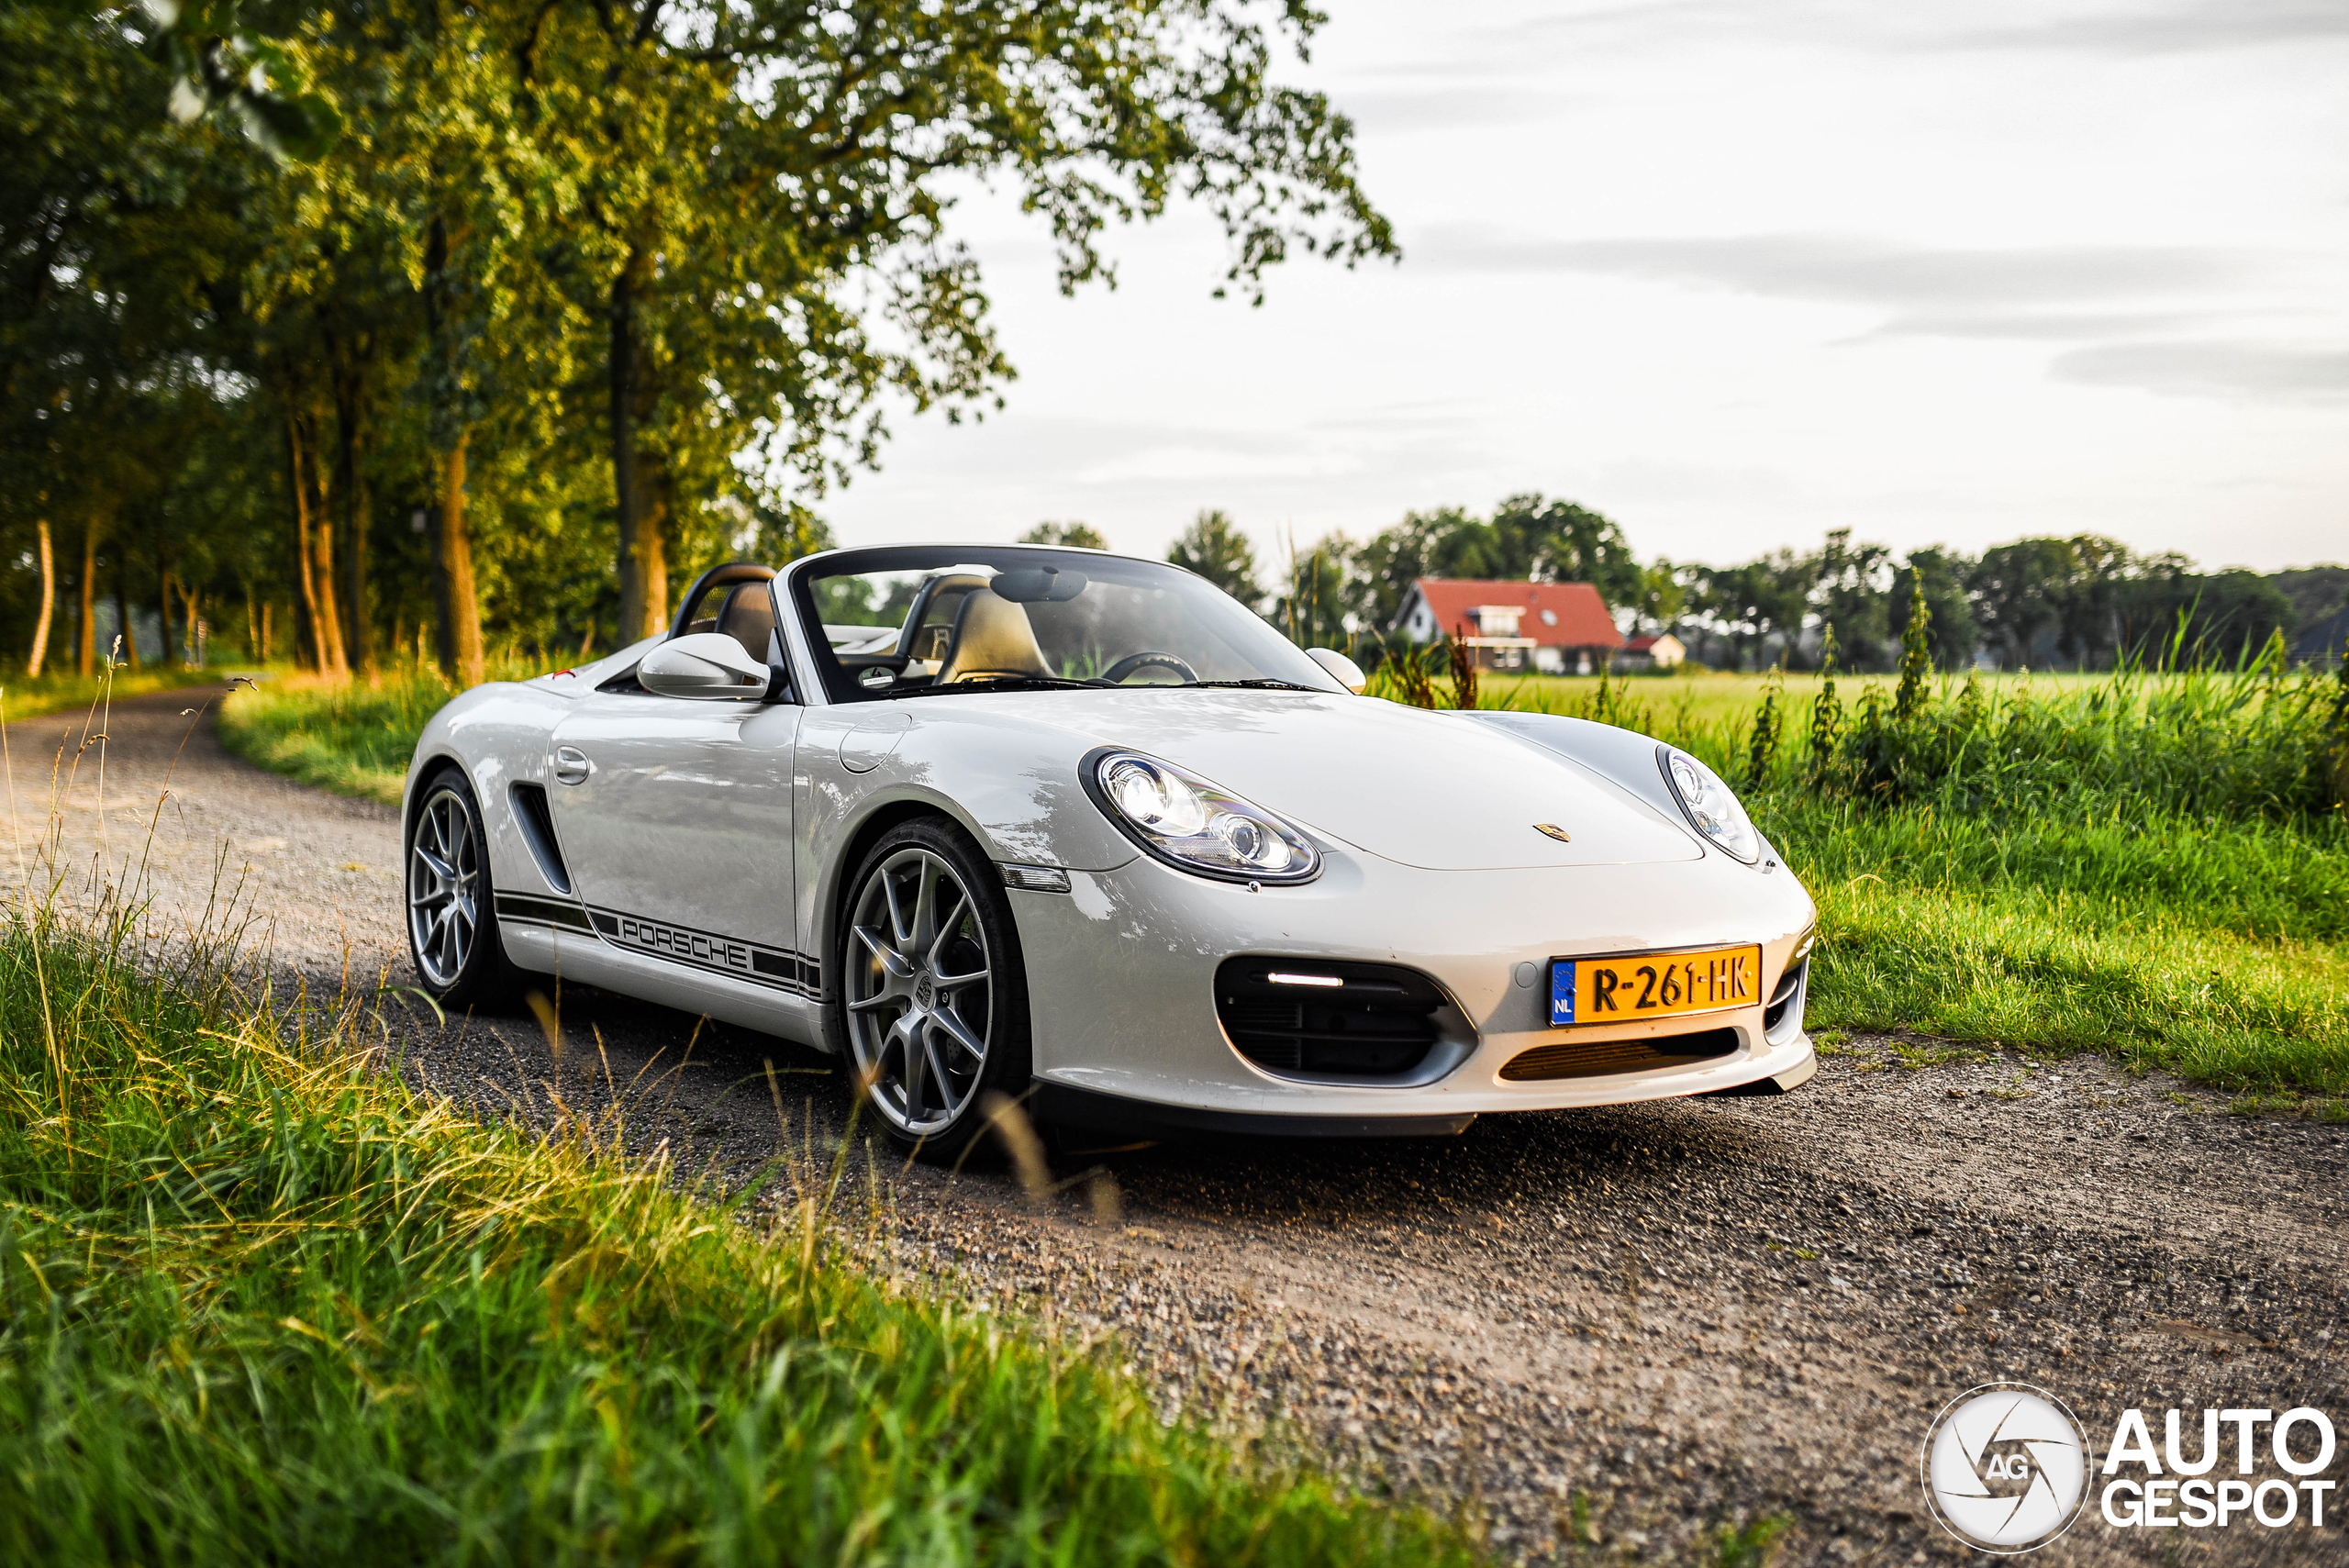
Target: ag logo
{"type": "Point", "coordinates": [2005, 1467]}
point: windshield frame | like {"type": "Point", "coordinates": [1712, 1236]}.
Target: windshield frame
{"type": "Point", "coordinates": [837, 686]}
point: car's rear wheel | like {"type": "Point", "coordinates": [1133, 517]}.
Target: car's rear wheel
{"type": "Point", "coordinates": [933, 990]}
{"type": "Point", "coordinates": [451, 906]}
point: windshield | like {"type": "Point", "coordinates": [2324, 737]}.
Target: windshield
{"type": "Point", "coordinates": [918, 621]}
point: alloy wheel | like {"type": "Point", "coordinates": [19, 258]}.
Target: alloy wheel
{"type": "Point", "coordinates": [444, 888]}
{"type": "Point", "coordinates": [920, 994]}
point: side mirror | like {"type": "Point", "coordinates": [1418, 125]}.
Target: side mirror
{"type": "Point", "coordinates": [708, 665]}
{"type": "Point", "coordinates": [1343, 670]}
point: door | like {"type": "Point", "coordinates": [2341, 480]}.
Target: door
{"type": "Point", "coordinates": [675, 821]}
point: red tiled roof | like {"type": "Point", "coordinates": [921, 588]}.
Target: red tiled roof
{"type": "Point", "coordinates": [1582, 620]}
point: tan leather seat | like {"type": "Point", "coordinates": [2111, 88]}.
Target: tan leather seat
{"type": "Point", "coordinates": [749, 617]}
{"type": "Point", "coordinates": [992, 637]}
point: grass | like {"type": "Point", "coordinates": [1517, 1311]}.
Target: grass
{"type": "Point", "coordinates": [21, 697]}
{"type": "Point", "coordinates": [2142, 863]}
{"type": "Point", "coordinates": [351, 737]}
{"type": "Point", "coordinates": [258, 1302]}
{"type": "Point", "coordinates": [2153, 863]}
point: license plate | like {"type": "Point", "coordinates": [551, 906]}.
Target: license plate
{"type": "Point", "coordinates": [1653, 985]}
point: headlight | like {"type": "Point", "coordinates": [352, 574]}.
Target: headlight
{"type": "Point", "coordinates": [1181, 818]}
{"type": "Point", "coordinates": [1710, 805]}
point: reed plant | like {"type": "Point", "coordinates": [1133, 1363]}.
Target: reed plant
{"type": "Point", "coordinates": [262, 1302]}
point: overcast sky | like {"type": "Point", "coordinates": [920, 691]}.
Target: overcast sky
{"type": "Point", "coordinates": [1734, 273]}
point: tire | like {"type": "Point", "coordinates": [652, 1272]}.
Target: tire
{"type": "Point", "coordinates": [451, 905]}
{"type": "Point", "coordinates": [933, 995]}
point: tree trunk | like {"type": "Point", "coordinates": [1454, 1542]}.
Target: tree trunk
{"type": "Point", "coordinates": [314, 560]}
{"type": "Point", "coordinates": [330, 625]}
{"type": "Point", "coordinates": [163, 608]}
{"type": "Point", "coordinates": [87, 660]}
{"type": "Point", "coordinates": [192, 598]}
{"type": "Point", "coordinates": [306, 604]}
{"type": "Point", "coordinates": [48, 604]}
{"type": "Point", "coordinates": [643, 566]}
{"type": "Point", "coordinates": [453, 561]}
{"type": "Point", "coordinates": [122, 620]}
{"type": "Point", "coordinates": [357, 623]}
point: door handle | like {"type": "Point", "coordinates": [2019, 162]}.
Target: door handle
{"type": "Point", "coordinates": [571, 765]}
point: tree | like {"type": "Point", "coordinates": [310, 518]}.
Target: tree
{"type": "Point", "coordinates": [2018, 591]}
{"type": "Point", "coordinates": [1311, 606]}
{"type": "Point", "coordinates": [764, 191]}
{"type": "Point", "coordinates": [1940, 577]}
{"type": "Point", "coordinates": [1079, 536]}
{"type": "Point", "coordinates": [1214, 546]}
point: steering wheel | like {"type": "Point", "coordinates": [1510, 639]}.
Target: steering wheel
{"type": "Point", "coordinates": [1148, 659]}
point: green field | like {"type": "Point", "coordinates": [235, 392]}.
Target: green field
{"type": "Point", "coordinates": [258, 1302]}
{"type": "Point", "coordinates": [2154, 865]}
{"type": "Point", "coordinates": [2151, 864]}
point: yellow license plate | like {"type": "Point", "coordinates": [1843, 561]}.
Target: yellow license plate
{"type": "Point", "coordinates": [1653, 985]}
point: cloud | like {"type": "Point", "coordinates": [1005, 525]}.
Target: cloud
{"type": "Point", "coordinates": [2028, 292]}
{"type": "Point", "coordinates": [2096, 27]}
{"type": "Point", "coordinates": [1393, 110]}
{"type": "Point", "coordinates": [2129, 310]}
{"type": "Point", "coordinates": [2263, 372]}
{"type": "Point", "coordinates": [2176, 28]}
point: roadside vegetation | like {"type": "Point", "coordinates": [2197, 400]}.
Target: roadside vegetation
{"type": "Point", "coordinates": [258, 1300]}
{"type": "Point", "coordinates": [351, 737]}
{"type": "Point", "coordinates": [2153, 861]}
{"type": "Point", "coordinates": [25, 697]}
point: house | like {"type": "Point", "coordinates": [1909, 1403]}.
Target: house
{"type": "Point", "coordinates": [1664, 653]}
{"type": "Point", "coordinates": [1555, 627]}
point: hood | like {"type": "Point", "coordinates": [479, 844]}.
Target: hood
{"type": "Point", "coordinates": [1430, 790]}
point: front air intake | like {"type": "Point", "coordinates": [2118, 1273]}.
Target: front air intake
{"type": "Point", "coordinates": [1294, 1015]}
{"type": "Point", "coordinates": [1603, 1057]}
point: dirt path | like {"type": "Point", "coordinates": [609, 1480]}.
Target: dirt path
{"type": "Point", "coordinates": [1615, 1330]}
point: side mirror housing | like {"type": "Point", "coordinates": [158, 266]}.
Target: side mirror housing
{"type": "Point", "coordinates": [708, 665]}
{"type": "Point", "coordinates": [1344, 670]}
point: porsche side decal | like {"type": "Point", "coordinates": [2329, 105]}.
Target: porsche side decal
{"type": "Point", "coordinates": [563, 912]}
{"type": "Point", "coordinates": [778, 968]}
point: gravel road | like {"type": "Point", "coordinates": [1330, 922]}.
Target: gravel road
{"type": "Point", "coordinates": [1609, 1334]}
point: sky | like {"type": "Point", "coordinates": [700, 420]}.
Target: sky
{"type": "Point", "coordinates": [1734, 274]}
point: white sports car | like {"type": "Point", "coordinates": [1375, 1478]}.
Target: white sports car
{"type": "Point", "coordinates": [1084, 832]}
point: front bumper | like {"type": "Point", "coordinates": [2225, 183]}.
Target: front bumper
{"type": "Point", "coordinates": [1121, 973]}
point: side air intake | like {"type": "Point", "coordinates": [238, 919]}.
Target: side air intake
{"type": "Point", "coordinates": [538, 832]}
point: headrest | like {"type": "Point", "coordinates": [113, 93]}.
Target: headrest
{"type": "Point", "coordinates": [749, 617]}
{"type": "Point", "coordinates": [992, 637]}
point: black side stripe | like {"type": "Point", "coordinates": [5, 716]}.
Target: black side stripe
{"type": "Point", "coordinates": [536, 910]}
{"type": "Point", "coordinates": [778, 969]}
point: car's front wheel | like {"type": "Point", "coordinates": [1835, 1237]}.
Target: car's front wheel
{"type": "Point", "coordinates": [451, 908]}
{"type": "Point", "coordinates": [933, 988]}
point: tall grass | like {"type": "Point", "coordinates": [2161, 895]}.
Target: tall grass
{"type": "Point", "coordinates": [24, 697]}
{"type": "Point", "coordinates": [353, 737]}
{"type": "Point", "coordinates": [258, 1302]}
{"type": "Point", "coordinates": [2153, 861]}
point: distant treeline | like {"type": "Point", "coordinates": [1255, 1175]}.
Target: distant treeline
{"type": "Point", "coordinates": [2086, 602]}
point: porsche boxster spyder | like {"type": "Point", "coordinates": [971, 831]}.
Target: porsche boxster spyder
{"type": "Point", "coordinates": [1083, 831]}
